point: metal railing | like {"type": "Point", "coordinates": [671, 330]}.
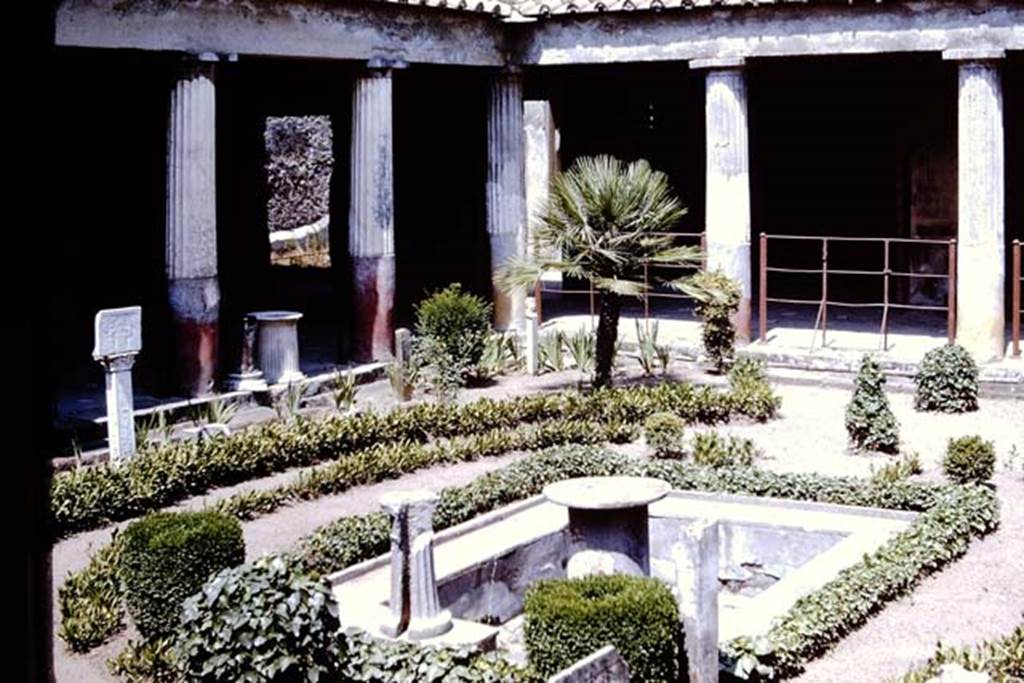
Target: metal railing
{"type": "Point", "coordinates": [887, 273]}
{"type": "Point", "coordinates": [1015, 286]}
{"type": "Point", "coordinates": [539, 289]}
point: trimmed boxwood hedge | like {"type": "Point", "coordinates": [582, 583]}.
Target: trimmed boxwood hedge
{"type": "Point", "coordinates": [947, 381]}
{"type": "Point", "coordinates": [569, 619]}
{"type": "Point", "coordinates": [90, 497]}
{"type": "Point", "coordinates": [167, 556]}
{"type": "Point", "coordinates": [955, 514]}
{"type": "Point", "coordinates": [969, 460]}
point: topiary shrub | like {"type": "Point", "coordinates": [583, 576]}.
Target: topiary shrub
{"type": "Point", "coordinates": [264, 621]}
{"type": "Point", "coordinates": [712, 450]}
{"type": "Point", "coordinates": [869, 419]}
{"type": "Point", "coordinates": [969, 460]}
{"type": "Point", "coordinates": [167, 556]}
{"type": "Point", "coordinates": [947, 381]}
{"type": "Point", "coordinates": [751, 394]}
{"type": "Point", "coordinates": [459, 322]}
{"type": "Point", "coordinates": [718, 299]}
{"type": "Point", "coordinates": [568, 619]}
{"type": "Point", "coordinates": [663, 433]}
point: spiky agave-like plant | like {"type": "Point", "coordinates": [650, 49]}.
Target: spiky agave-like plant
{"type": "Point", "coordinates": [604, 220]}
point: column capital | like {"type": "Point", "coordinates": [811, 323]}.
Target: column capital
{"type": "Point", "coordinates": [973, 54]}
{"type": "Point", "coordinates": [715, 63]}
{"type": "Point", "coordinates": [383, 66]}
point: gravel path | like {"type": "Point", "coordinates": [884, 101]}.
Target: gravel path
{"type": "Point", "coordinates": [809, 437]}
{"type": "Point", "coordinates": [977, 598]}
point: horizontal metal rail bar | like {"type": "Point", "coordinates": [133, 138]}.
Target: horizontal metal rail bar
{"type": "Point", "coordinates": [897, 240]}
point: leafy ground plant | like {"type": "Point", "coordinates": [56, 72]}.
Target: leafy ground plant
{"type": "Point", "coordinates": [870, 422]}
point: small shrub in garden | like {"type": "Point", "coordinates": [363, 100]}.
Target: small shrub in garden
{"type": "Point", "coordinates": [947, 381]}
{"type": "Point", "coordinates": [869, 419]}
{"type": "Point", "coordinates": [459, 322]}
{"type": "Point", "coordinates": [568, 619]}
{"type": "Point", "coordinates": [264, 621]}
{"type": "Point", "coordinates": [969, 460]}
{"type": "Point", "coordinates": [664, 434]}
{"type": "Point", "coordinates": [712, 450]}
{"type": "Point", "coordinates": [907, 466]}
{"type": "Point", "coordinates": [718, 299]}
{"type": "Point", "coordinates": [167, 556]}
{"type": "Point", "coordinates": [752, 395]}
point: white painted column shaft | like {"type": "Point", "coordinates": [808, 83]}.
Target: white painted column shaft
{"type": "Point", "coordinates": [541, 166]}
{"type": "Point", "coordinates": [371, 238]}
{"type": "Point", "coordinates": [120, 407]}
{"type": "Point", "coordinates": [506, 187]}
{"type": "Point", "coordinates": [980, 237]}
{"type": "Point", "coordinates": [191, 225]}
{"type": "Point", "coordinates": [727, 213]}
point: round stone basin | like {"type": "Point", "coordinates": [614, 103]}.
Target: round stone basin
{"type": "Point", "coordinates": [608, 518]}
{"type": "Point", "coordinates": [606, 493]}
{"type": "Point", "coordinates": [276, 316]}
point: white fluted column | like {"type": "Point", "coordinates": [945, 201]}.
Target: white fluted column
{"type": "Point", "coordinates": [980, 224]}
{"type": "Point", "coordinates": [191, 225]}
{"type": "Point", "coordinates": [506, 187]}
{"type": "Point", "coordinates": [371, 236]}
{"type": "Point", "coordinates": [541, 167]}
{"type": "Point", "coordinates": [727, 207]}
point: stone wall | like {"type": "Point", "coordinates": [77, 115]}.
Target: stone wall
{"type": "Point", "coordinates": [299, 166]}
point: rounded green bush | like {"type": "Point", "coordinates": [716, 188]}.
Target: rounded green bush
{"type": "Point", "coordinates": [262, 621]}
{"type": "Point", "coordinates": [569, 619]}
{"type": "Point", "coordinates": [969, 460]}
{"type": "Point", "coordinates": [166, 556]}
{"type": "Point", "coordinates": [947, 381]}
{"type": "Point", "coordinates": [459, 321]}
{"type": "Point", "coordinates": [664, 433]}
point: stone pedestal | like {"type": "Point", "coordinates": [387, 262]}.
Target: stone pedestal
{"type": "Point", "coordinates": [401, 385]}
{"type": "Point", "coordinates": [609, 515]}
{"type": "Point", "coordinates": [727, 217]}
{"type": "Point", "coordinates": [532, 338]}
{"type": "Point", "coordinates": [278, 345]}
{"type": "Point", "coordinates": [118, 339]}
{"type": "Point", "coordinates": [191, 226]}
{"type": "Point", "coordinates": [415, 608]}
{"type": "Point", "coordinates": [980, 233]}
{"type": "Point", "coordinates": [506, 188]}
{"type": "Point", "coordinates": [696, 560]}
{"type": "Point", "coordinates": [371, 238]}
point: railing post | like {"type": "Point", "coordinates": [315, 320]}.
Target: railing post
{"type": "Point", "coordinates": [1015, 288]}
{"type": "Point", "coordinates": [824, 290]}
{"type": "Point", "coordinates": [538, 299]}
{"type": "Point", "coordinates": [704, 250]}
{"type": "Point", "coordinates": [951, 295]}
{"type": "Point", "coordinates": [885, 298]}
{"type": "Point", "coordinates": [762, 297]}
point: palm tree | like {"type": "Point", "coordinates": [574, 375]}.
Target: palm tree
{"type": "Point", "coordinates": [604, 220]}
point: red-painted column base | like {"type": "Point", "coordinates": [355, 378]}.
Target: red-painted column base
{"type": "Point", "coordinates": [374, 290]}
{"type": "Point", "coordinates": [195, 307]}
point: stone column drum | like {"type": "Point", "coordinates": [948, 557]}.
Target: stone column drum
{"type": "Point", "coordinates": [506, 188]}
{"type": "Point", "coordinates": [727, 217]}
{"type": "Point", "coordinates": [696, 558]}
{"type": "Point", "coordinates": [415, 607]}
{"type": "Point", "coordinates": [371, 237]}
{"type": "Point", "coordinates": [981, 199]}
{"type": "Point", "coordinates": [191, 226]}
{"type": "Point", "coordinates": [278, 345]}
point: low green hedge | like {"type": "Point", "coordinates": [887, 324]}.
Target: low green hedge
{"type": "Point", "coordinates": [167, 556]}
{"type": "Point", "coordinates": [569, 619]}
{"type": "Point", "coordinates": [947, 381]}
{"type": "Point", "coordinates": [90, 601]}
{"type": "Point", "coordinates": [953, 515]}
{"type": "Point", "coordinates": [664, 433]}
{"type": "Point", "coordinates": [1002, 659]}
{"type": "Point", "coordinates": [91, 497]}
